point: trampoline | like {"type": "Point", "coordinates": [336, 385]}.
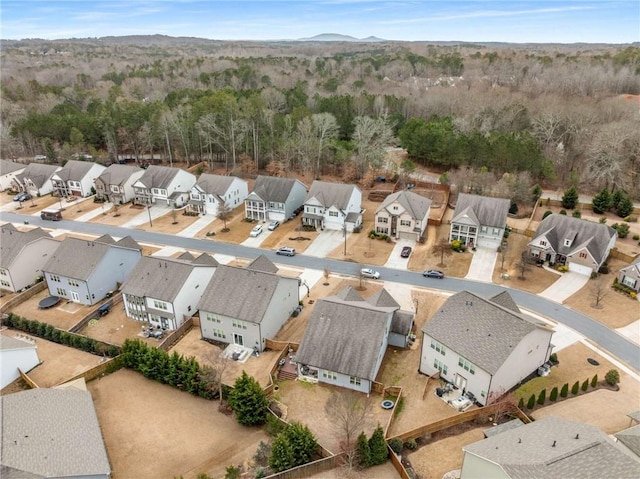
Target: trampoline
{"type": "Point", "coordinates": [48, 302]}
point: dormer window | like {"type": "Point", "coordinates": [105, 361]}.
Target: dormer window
{"type": "Point", "coordinates": [567, 242]}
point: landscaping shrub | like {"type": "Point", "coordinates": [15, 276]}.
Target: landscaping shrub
{"type": "Point", "coordinates": [601, 202]}
{"type": "Point", "coordinates": [396, 445]}
{"type": "Point", "coordinates": [562, 212]}
{"type": "Point", "coordinates": [411, 444]}
{"type": "Point", "coordinates": [458, 246]}
{"type": "Point", "coordinates": [625, 207]}
{"type": "Point", "coordinates": [575, 388]}
{"type": "Point", "coordinates": [577, 214]}
{"type": "Point", "coordinates": [585, 385]}
{"type": "Point", "coordinates": [248, 401]}
{"type": "Point", "coordinates": [554, 394]}
{"type": "Point", "coordinates": [636, 237]}
{"type": "Point", "coordinates": [542, 397]}
{"type": "Point", "coordinates": [603, 221]}
{"type": "Point", "coordinates": [547, 213]}
{"type": "Point", "coordinates": [553, 358]}
{"type": "Point", "coordinates": [513, 209]}
{"type": "Point", "coordinates": [521, 403]}
{"type": "Point", "coordinates": [363, 453]}
{"type": "Point", "coordinates": [531, 402]}
{"type": "Point", "coordinates": [622, 229]}
{"type": "Point", "coordinates": [594, 381]}
{"type": "Point", "coordinates": [612, 377]}
{"type": "Point", "coordinates": [564, 391]}
{"type": "Point", "coordinates": [274, 426]}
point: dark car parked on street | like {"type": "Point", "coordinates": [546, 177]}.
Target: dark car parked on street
{"type": "Point", "coordinates": [433, 273]}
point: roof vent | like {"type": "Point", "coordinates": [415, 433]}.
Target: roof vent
{"type": "Point", "coordinates": [577, 436]}
{"type": "Point", "coordinates": [554, 444]}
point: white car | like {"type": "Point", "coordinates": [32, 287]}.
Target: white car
{"type": "Point", "coordinates": [369, 273]}
{"type": "Point", "coordinates": [256, 231]}
{"type": "Point", "coordinates": [273, 225]}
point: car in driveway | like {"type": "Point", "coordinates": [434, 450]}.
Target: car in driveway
{"type": "Point", "coordinates": [286, 251]}
{"type": "Point", "coordinates": [22, 197]}
{"type": "Point", "coordinates": [433, 273]}
{"type": "Point", "coordinates": [406, 251]}
{"type": "Point", "coordinates": [369, 273]}
{"type": "Point", "coordinates": [273, 225]}
{"type": "Point", "coordinates": [256, 231]}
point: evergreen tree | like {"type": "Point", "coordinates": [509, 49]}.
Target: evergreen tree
{"type": "Point", "coordinates": [521, 403]}
{"type": "Point", "coordinates": [363, 453]}
{"type": "Point", "coordinates": [601, 202]}
{"type": "Point", "coordinates": [531, 402]}
{"type": "Point", "coordinates": [585, 385]}
{"type": "Point", "coordinates": [281, 457]}
{"type": "Point", "coordinates": [616, 197]}
{"type": "Point", "coordinates": [575, 388]}
{"type": "Point", "coordinates": [554, 394]}
{"type": "Point", "coordinates": [378, 447]}
{"type": "Point", "coordinates": [570, 198]}
{"type": "Point", "coordinates": [542, 397]}
{"type": "Point", "coordinates": [248, 401]}
{"type": "Point", "coordinates": [594, 381]}
{"type": "Point", "coordinates": [564, 392]}
{"type": "Point", "coordinates": [625, 207]}
{"type": "Point", "coordinates": [536, 192]}
{"type": "Point", "coordinates": [302, 441]}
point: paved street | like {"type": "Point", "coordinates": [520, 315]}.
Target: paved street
{"type": "Point", "coordinates": [608, 339]}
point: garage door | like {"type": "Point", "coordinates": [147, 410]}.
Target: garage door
{"type": "Point", "coordinates": [276, 216]}
{"type": "Point", "coordinates": [404, 235]}
{"type": "Point", "coordinates": [487, 242]}
{"type": "Point", "coordinates": [578, 268]}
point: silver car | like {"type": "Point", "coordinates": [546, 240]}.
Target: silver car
{"type": "Point", "coordinates": [369, 273]}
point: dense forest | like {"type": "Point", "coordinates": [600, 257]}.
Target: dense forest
{"type": "Point", "coordinates": [557, 115]}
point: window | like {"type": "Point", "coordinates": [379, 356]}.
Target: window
{"type": "Point", "coordinates": [438, 347]}
{"type": "Point", "coordinates": [380, 229]}
{"type": "Point", "coordinates": [466, 365]}
{"type": "Point", "coordinates": [3, 272]}
{"type": "Point", "coordinates": [543, 243]}
{"type": "Point", "coordinates": [55, 277]}
{"type": "Point", "coordinates": [567, 242]}
{"type": "Point", "coordinates": [395, 208]}
{"type": "Point", "coordinates": [219, 333]}
{"type": "Point", "coordinates": [583, 254]}
{"type": "Point", "coordinates": [329, 375]}
{"type": "Point", "coordinates": [405, 223]}
{"type": "Point", "coordinates": [239, 324]}
{"type": "Point", "coordinates": [5, 283]}
{"type": "Point", "coordinates": [496, 231]}
{"type": "Point", "coordinates": [73, 282]}
{"type": "Point", "coordinates": [440, 366]}
{"type": "Point", "coordinates": [333, 213]}
{"type": "Point", "coordinates": [354, 380]}
{"type": "Point", "coordinates": [213, 318]}
{"type": "Point", "coordinates": [383, 219]}
{"type": "Point", "coordinates": [160, 305]}
{"type": "Point", "coordinates": [61, 292]}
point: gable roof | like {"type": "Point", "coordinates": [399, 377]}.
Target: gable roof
{"type": "Point", "coordinates": [7, 167]}
{"type": "Point", "coordinates": [74, 170]}
{"type": "Point", "coordinates": [52, 433]}
{"type": "Point", "coordinates": [38, 173]}
{"type": "Point", "coordinates": [118, 174]}
{"type": "Point", "coordinates": [7, 343]}
{"type": "Point", "coordinates": [583, 234]}
{"type": "Point", "coordinates": [635, 266]}
{"type": "Point", "coordinates": [273, 188]}
{"type": "Point", "coordinates": [13, 241]}
{"type": "Point", "coordinates": [331, 194]}
{"type": "Point", "coordinates": [128, 242]}
{"type": "Point", "coordinates": [248, 302]}
{"type": "Point", "coordinates": [383, 299]}
{"type": "Point", "coordinates": [264, 264]}
{"type": "Point", "coordinates": [214, 184]}
{"type": "Point", "coordinates": [205, 260]}
{"type": "Point", "coordinates": [630, 437]}
{"type": "Point", "coordinates": [486, 210]}
{"type": "Point", "coordinates": [158, 277]}
{"type": "Point", "coordinates": [417, 206]}
{"type": "Point", "coordinates": [555, 447]}
{"type": "Point", "coordinates": [158, 176]}
{"type": "Point", "coordinates": [76, 258]}
{"type": "Point", "coordinates": [483, 331]}
{"type": "Point", "coordinates": [105, 239]}
{"type": "Point", "coordinates": [505, 300]}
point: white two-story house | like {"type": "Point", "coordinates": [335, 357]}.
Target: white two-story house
{"type": "Point", "coordinates": [164, 185]}
{"type": "Point", "coordinates": [36, 179]}
{"type": "Point", "coordinates": [274, 198]}
{"type": "Point", "coordinates": [115, 184]}
{"type": "Point", "coordinates": [76, 178]}
{"type": "Point", "coordinates": [8, 173]}
{"type": "Point", "coordinates": [210, 191]}
{"type": "Point", "coordinates": [333, 206]}
{"type": "Point", "coordinates": [164, 291]}
{"type": "Point", "coordinates": [403, 215]}
{"type": "Point", "coordinates": [479, 220]}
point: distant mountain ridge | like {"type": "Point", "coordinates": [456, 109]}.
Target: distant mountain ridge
{"type": "Point", "coordinates": [336, 37]}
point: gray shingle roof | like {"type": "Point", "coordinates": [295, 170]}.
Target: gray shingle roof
{"type": "Point", "coordinates": [417, 206]}
{"type": "Point", "coordinates": [215, 184]}
{"type": "Point", "coordinates": [105, 239]}
{"type": "Point", "coordinates": [158, 176]}
{"type": "Point", "coordinates": [7, 167]}
{"type": "Point", "coordinates": [186, 256]}
{"type": "Point", "coordinates": [38, 173]}
{"type": "Point", "coordinates": [630, 437]}
{"type": "Point", "coordinates": [129, 242]}
{"type": "Point", "coordinates": [482, 331]}
{"type": "Point", "coordinates": [383, 299]}
{"type": "Point", "coordinates": [272, 188]}
{"type": "Point", "coordinates": [401, 322]}
{"type": "Point", "coordinates": [505, 300]}
{"type": "Point", "coordinates": [580, 450]}
{"type": "Point", "coordinates": [8, 343]}
{"type": "Point", "coordinates": [205, 259]}
{"type": "Point", "coordinates": [264, 264]}
{"type": "Point", "coordinates": [505, 426]}
{"type": "Point", "coordinates": [488, 211]}
{"type": "Point", "coordinates": [52, 433]}
{"type": "Point", "coordinates": [633, 266]}
{"type": "Point", "coordinates": [74, 170]}
{"type": "Point", "coordinates": [331, 194]}
{"type": "Point", "coordinates": [12, 242]}
{"type": "Point", "coordinates": [240, 293]}
{"type": "Point", "coordinates": [117, 174]}
{"type": "Point", "coordinates": [594, 236]}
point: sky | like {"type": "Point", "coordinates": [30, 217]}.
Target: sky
{"type": "Point", "coordinates": [519, 21]}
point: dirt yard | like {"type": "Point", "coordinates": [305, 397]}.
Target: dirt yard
{"type": "Point", "coordinates": [115, 327]}
{"type": "Point", "coordinates": [117, 216]}
{"type": "Point", "coordinates": [202, 440]}
{"type": "Point", "coordinates": [171, 223]}
{"type": "Point", "coordinates": [62, 316]}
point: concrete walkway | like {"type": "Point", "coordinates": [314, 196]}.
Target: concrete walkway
{"type": "Point", "coordinates": [325, 243]}
{"type": "Point", "coordinates": [482, 264]}
{"type": "Point", "coordinates": [568, 284]}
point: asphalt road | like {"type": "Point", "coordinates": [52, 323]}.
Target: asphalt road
{"type": "Point", "coordinates": [608, 339]}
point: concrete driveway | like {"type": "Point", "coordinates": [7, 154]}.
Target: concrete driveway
{"type": "Point", "coordinates": [482, 264]}
{"type": "Point", "coordinates": [256, 241]}
{"type": "Point", "coordinates": [156, 211]}
{"type": "Point", "coordinates": [325, 243]}
{"type": "Point", "coordinates": [568, 284]}
{"type": "Point", "coordinates": [395, 260]}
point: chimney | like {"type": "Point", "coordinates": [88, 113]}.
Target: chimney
{"type": "Point", "coordinates": [554, 444]}
{"type": "Point", "coordinates": [577, 436]}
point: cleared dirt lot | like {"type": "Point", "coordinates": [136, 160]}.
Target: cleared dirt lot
{"type": "Point", "coordinates": [117, 216]}
{"type": "Point", "coordinates": [153, 430]}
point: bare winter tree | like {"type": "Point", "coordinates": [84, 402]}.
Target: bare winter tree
{"type": "Point", "coordinates": [523, 265]}
{"type": "Point", "coordinates": [370, 139]}
{"type": "Point", "coordinates": [213, 371]}
{"type": "Point", "coordinates": [599, 289]}
{"type": "Point", "coordinates": [442, 248]}
{"type": "Point", "coordinates": [350, 411]}
{"type": "Point", "coordinates": [224, 213]}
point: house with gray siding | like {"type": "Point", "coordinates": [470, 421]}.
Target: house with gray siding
{"type": "Point", "coordinates": [165, 291]}
{"type": "Point", "coordinates": [8, 172]}
{"type": "Point", "coordinates": [211, 191]}
{"type": "Point", "coordinates": [630, 275]}
{"type": "Point", "coordinates": [483, 346]}
{"type": "Point", "coordinates": [346, 338]}
{"type": "Point", "coordinates": [403, 215]}
{"type": "Point", "coordinates": [86, 271]}
{"type": "Point", "coordinates": [23, 255]}
{"type": "Point", "coordinates": [76, 178]}
{"type": "Point", "coordinates": [580, 244]}
{"type": "Point", "coordinates": [333, 206]}
{"type": "Point", "coordinates": [16, 353]}
{"type": "Point", "coordinates": [164, 185]}
{"type": "Point", "coordinates": [52, 433]}
{"type": "Point", "coordinates": [36, 179]}
{"type": "Point", "coordinates": [274, 198]}
{"type": "Point", "coordinates": [115, 184]}
{"type": "Point", "coordinates": [550, 447]}
{"type": "Point", "coordinates": [479, 220]}
{"type": "Point", "coordinates": [247, 306]}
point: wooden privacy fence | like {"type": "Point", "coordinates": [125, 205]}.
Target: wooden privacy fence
{"type": "Point", "coordinates": [96, 371]}
{"type": "Point", "coordinates": [397, 464]}
{"type": "Point", "coordinates": [95, 314]}
{"type": "Point", "coordinates": [311, 468]}
{"type": "Point", "coordinates": [284, 349]}
{"type": "Point", "coordinates": [22, 297]}
{"type": "Point", "coordinates": [175, 335]}
{"type": "Point", "coordinates": [29, 382]}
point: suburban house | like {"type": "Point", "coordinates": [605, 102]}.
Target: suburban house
{"type": "Point", "coordinates": [76, 178]}
{"type": "Point", "coordinates": [274, 198]}
{"type": "Point", "coordinates": [36, 179]}
{"type": "Point", "coordinates": [580, 244]}
{"type": "Point", "coordinates": [630, 275]}
{"type": "Point", "coordinates": [16, 353]}
{"type": "Point", "coordinates": [548, 447]}
{"type": "Point", "coordinates": [163, 184]}
{"type": "Point", "coordinates": [115, 184]}
{"type": "Point", "coordinates": [483, 346]}
{"type": "Point", "coordinates": [629, 439]}
{"type": "Point", "coordinates": [347, 336]}
{"type": "Point", "coordinates": [403, 215]}
{"type": "Point", "coordinates": [86, 272]}
{"type": "Point", "coordinates": [247, 306]}
{"type": "Point", "coordinates": [211, 191]}
{"type": "Point", "coordinates": [8, 172]}
{"type": "Point", "coordinates": [52, 433]}
{"type": "Point", "coordinates": [479, 220]}
{"type": "Point", "coordinates": [23, 255]}
{"type": "Point", "coordinates": [165, 291]}
{"type": "Point", "coordinates": [333, 206]}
